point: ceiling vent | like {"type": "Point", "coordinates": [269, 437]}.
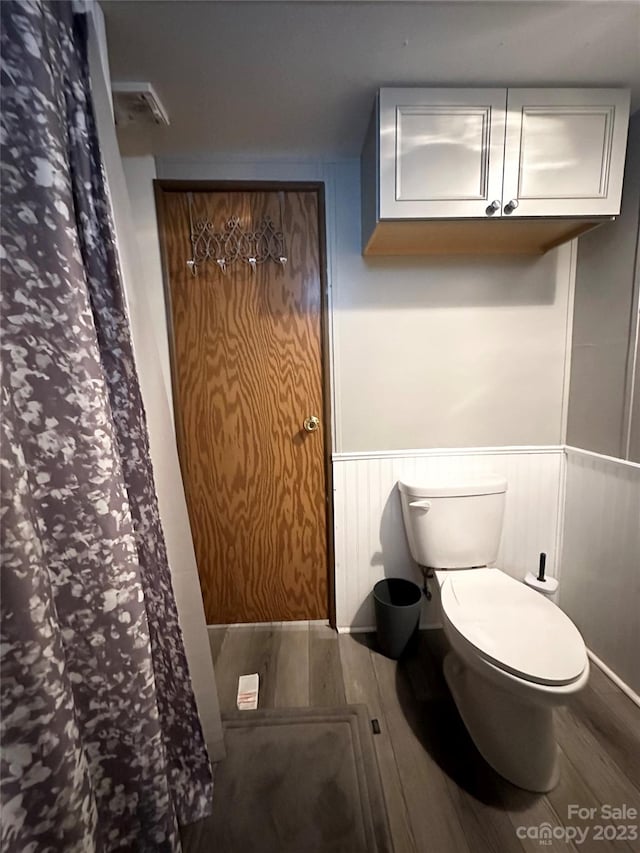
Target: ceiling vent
{"type": "Point", "coordinates": [139, 103]}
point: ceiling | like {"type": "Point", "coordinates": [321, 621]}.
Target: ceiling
{"type": "Point", "coordinates": [298, 79]}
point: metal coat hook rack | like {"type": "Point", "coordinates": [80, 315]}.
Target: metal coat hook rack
{"type": "Point", "coordinates": [235, 243]}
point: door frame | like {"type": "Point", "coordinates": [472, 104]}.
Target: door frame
{"type": "Point", "coordinates": [162, 186]}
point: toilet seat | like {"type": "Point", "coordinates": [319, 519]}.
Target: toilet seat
{"type": "Point", "coordinates": [513, 627]}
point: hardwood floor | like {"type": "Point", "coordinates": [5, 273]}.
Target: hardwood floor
{"type": "Point", "coordinates": [441, 796]}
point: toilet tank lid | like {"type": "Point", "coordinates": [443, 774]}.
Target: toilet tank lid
{"type": "Point", "coordinates": [486, 485]}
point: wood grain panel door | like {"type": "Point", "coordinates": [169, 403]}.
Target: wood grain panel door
{"type": "Point", "coordinates": [247, 371]}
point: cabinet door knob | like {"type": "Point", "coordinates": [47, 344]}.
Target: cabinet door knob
{"type": "Point", "coordinates": [495, 205]}
{"type": "Point", "coordinates": [511, 206]}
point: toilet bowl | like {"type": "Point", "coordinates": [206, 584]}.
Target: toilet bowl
{"type": "Point", "coordinates": [513, 654]}
{"type": "Point", "coordinates": [514, 657]}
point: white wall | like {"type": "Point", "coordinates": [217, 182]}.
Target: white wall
{"type": "Point", "coordinates": [446, 352]}
{"type": "Point", "coordinates": [604, 369]}
{"type": "Point", "coordinates": [600, 587]}
{"type": "Point", "coordinates": [139, 173]}
{"type": "Point", "coordinates": [149, 341]}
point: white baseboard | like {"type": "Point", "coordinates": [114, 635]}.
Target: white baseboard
{"type": "Point", "coordinates": [615, 678]}
{"type": "Point", "coordinates": [348, 629]}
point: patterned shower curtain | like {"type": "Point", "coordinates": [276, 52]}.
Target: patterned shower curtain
{"type": "Point", "coordinates": [102, 747]}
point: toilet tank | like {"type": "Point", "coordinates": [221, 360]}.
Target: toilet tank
{"type": "Point", "coordinates": [454, 525]}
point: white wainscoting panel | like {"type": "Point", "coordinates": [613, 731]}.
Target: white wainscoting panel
{"type": "Point", "coordinates": [370, 541]}
{"type": "Point", "coordinates": [600, 587]}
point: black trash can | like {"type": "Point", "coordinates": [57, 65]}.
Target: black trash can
{"type": "Point", "coordinates": [397, 604]}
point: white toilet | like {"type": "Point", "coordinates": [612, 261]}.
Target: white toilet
{"type": "Point", "coordinates": [514, 655]}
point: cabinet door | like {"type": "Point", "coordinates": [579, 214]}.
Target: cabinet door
{"type": "Point", "coordinates": [564, 151]}
{"type": "Point", "coordinates": [441, 152]}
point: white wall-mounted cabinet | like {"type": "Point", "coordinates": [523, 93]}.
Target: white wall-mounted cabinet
{"type": "Point", "coordinates": [564, 151]}
{"type": "Point", "coordinates": [441, 152]}
{"type": "Point", "coordinates": [447, 155]}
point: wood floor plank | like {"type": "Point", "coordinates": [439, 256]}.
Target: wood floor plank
{"type": "Point", "coordinates": [487, 826]}
{"type": "Point", "coordinates": [292, 669]}
{"type": "Point", "coordinates": [361, 687]}
{"type": "Point", "coordinates": [216, 639]}
{"type": "Point", "coordinates": [573, 790]}
{"type": "Point", "coordinates": [474, 788]}
{"type": "Point", "coordinates": [619, 739]}
{"type": "Point", "coordinates": [231, 665]}
{"type": "Point", "coordinates": [534, 812]}
{"type": "Point", "coordinates": [360, 683]}
{"type": "Point", "coordinates": [244, 651]}
{"type": "Point", "coordinates": [592, 761]}
{"type": "Point", "coordinates": [600, 681]}
{"type": "Point", "coordinates": [627, 712]}
{"type": "Point", "coordinates": [492, 809]}
{"type": "Point", "coordinates": [262, 658]}
{"type": "Point", "coordinates": [424, 669]}
{"type": "Point", "coordinates": [435, 820]}
{"type": "Point", "coordinates": [326, 684]}
{"type": "Point", "coordinates": [436, 643]}
{"type": "Point", "coordinates": [441, 796]}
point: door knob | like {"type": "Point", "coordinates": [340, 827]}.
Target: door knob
{"type": "Point", "coordinates": [491, 209]}
{"type": "Point", "coordinates": [312, 423]}
{"type": "Point", "coordinates": [511, 206]}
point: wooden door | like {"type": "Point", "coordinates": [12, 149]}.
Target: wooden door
{"type": "Point", "coordinates": [247, 371]}
{"type": "Point", "coordinates": [441, 152]}
{"type": "Point", "coordinates": [565, 151]}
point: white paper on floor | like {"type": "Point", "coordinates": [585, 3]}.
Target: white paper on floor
{"type": "Point", "coordinates": [248, 692]}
